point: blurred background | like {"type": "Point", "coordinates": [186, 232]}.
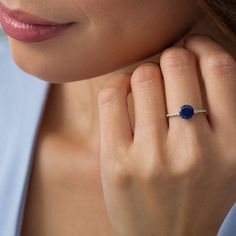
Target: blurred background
{"type": "Point", "coordinates": [1, 33]}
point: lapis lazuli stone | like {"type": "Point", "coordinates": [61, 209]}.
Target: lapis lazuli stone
{"type": "Point", "coordinates": [186, 112]}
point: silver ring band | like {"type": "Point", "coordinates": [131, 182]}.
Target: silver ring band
{"type": "Point", "coordinates": [177, 113]}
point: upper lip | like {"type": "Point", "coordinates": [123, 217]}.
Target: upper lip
{"type": "Point", "coordinates": [26, 17]}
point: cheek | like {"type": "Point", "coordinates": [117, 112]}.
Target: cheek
{"type": "Point", "coordinates": [118, 33]}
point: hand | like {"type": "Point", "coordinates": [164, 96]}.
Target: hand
{"type": "Point", "coordinates": [171, 176]}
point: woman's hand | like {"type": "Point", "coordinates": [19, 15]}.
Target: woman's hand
{"type": "Point", "coordinates": [171, 176]}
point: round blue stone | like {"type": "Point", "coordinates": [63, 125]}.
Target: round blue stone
{"type": "Point", "coordinates": [186, 112]}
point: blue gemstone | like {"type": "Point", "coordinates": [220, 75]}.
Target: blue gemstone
{"type": "Point", "coordinates": [186, 112]}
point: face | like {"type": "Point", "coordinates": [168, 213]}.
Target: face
{"type": "Point", "coordinates": [108, 35]}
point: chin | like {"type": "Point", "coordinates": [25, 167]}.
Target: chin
{"type": "Point", "coordinates": [61, 73]}
{"type": "Point", "coordinates": [54, 63]}
{"type": "Point", "coordinates": [54, 69]}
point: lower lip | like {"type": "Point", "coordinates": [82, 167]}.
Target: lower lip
{"type": "Point", "coordinates": [29, 33]}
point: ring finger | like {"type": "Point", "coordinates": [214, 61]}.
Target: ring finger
{"type": "Point", "coordinates": [179, 68]}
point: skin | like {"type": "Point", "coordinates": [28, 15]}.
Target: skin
{"type": "Point", "coordinates": [78, 118]}
{"type": "Point", "coordinates": [102, 45]}
{"type": "Point", "coordinates": [171, 172]}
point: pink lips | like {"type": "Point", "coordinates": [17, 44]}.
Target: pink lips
{"type": "Point", "coordinates": [28, 28]}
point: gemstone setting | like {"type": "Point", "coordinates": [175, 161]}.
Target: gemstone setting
{"type": "Point", "coordinates": [186, 111]}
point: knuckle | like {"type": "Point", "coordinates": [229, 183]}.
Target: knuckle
{"type": "Point", "coordinates": [194, 164]}
{"type": "Point", "coordinates": [232, 154]}
{"type": "Point", "coordinates": [152, 175]}
{"type": "Point", "coordinates": [116, 170]}
{"type": "Point", "coordinates": [194, 149]}
{"type": "Point", "coordinates": [221, 63]}
{"type": "Point", "coordinates": [192, 161]}
{"type": "Point", "coordinates": [177, 58]}
{"type": "Point", "coordinates": [152, 170]}
{"type": "Point", "coordinates": [121, 177]}
{"type": "Point", "coordinates": [196, 39]}
{"type": "Point", "coordinates": [191, 169]}
{"type": "Point", "coordinates": [107, 96]}
{"type": "Point", "coordinates": [229, 156]}
{"type": "Point", "coordinates": [146, 72]}
{"type": "Point", "coordinates": [226, 155]}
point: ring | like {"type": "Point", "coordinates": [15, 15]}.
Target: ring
{"type": "Point", "coordinates": [186, 112]}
